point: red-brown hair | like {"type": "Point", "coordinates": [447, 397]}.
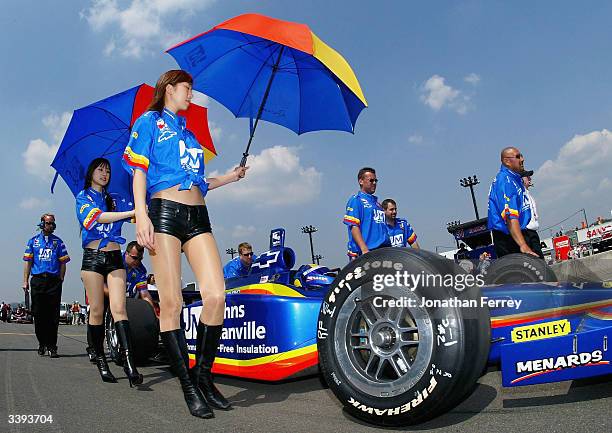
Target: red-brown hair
{"type": "Point", "coordinates": [172, 77]}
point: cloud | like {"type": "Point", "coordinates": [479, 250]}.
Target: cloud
{"type": "Point", "coordinates": [436, 94]}
{"type": "Point", "coordinates": [215, 131]}
{"type": "Point", "coordinates": [415, 139]}
{"type": "Point", "coordinates": [34, 203]}
{"type": "Point", "coordinates": [241, 231]}
{"type": "Point", "coordinates": [140, 26]}
{"type": "Point", "coordinates": [275, 178]}
{"type": "Point", "coordinates": [39, 154]}
{"type": "Point", "coordinates": [57, 124]}
{"type": "Point", "coordinates": [200, 99]}
{"type": "Point", "coordinates": [472, 78]}
{"type": "Point", "coordinates": [578, 177]}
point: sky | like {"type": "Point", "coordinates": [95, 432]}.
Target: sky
{"type": "Point", "coordinates": [449, 84]}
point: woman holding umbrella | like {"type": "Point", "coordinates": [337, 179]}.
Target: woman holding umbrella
{"type": "Point", "coordinates": [168, 165]}
{"type": "Point", "coordinates": [101, 217]}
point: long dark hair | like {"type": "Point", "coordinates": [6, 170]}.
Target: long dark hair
{"type": "Point", "coordinates": [110, 205]}
{"type": "Point", "coordinates": [172, 77]}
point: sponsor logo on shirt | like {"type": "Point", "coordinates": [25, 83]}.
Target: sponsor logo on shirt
{"type": "Point", "coordinates": [397, 240]}
{"type": "Point", "coordinates": [44, 254]}
{"type": "Point", "coordinates": [379, 216]}
{"type": "Point", "coordinates": [190, 158]}
{"type": "Point", "coordinates": [165, 133]}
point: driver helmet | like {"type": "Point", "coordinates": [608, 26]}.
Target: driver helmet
{"type": "Point", "coordinates": [312, 276]}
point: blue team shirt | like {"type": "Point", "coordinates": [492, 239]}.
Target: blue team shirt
{"type": "Point", "coordinates": [235, 268]}
{"type": "Point", "coordinates": [89, 206]}
{"type": "Point", "coordinates": [166, 151]}
{"type": "Point", "coordinates": [364, 211]}
{"type": "Point", "coordinates": [46, 255]}
{"type": "Point", "coordinates": [507, 201]}
{"type": "Point", "coordinates": [136, 279]}
{"type": "Point", "coordinates": [402, 234]}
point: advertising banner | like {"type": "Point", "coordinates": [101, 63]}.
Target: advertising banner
{"type": "Point", "coordinates": [562, 247]}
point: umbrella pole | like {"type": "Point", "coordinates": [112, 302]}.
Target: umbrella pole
{"type": "Point", "coordinates": [261, 107]}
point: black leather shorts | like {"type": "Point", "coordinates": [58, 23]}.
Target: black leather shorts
{"type": "Point", "coordinates": [180, 220]}
{"type": "Point", "coordinates": [102, 262]}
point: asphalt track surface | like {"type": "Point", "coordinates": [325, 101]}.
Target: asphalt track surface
{"type": "Point", "coordinates": [69, 388]}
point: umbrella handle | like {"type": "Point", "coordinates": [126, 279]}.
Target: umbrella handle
{"type": "Point", "coordinates": [243, 161]}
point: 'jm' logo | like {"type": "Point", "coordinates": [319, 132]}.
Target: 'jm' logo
{"type": "Point", "coordinates": [397, 240]}
{"type": "Point", "coordinates": [190, 158]}
{"type": "Point", "coordinates": [104, 229]}
{"type": "Point", "coordinates": [379, 216]}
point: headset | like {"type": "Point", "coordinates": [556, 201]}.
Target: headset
{"type": "Point", "coordinates": [41, 225]}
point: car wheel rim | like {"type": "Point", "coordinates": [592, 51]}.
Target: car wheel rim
{"type": "Point", "coordinates": [111, 335]}
{"type": "Point", "coordinates": [383, 350]}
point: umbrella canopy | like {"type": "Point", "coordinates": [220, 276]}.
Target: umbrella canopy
{"type": "Point", "coordinates": [102, 129]}
{"type": "Point", "coordinates": [279, 71]}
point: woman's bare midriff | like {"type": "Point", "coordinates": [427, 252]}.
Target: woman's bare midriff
{"type": "Point", "coordinates": [111, 246]}
{"type": "Point", "coordinates": [191, 197]}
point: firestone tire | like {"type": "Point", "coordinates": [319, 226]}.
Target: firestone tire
{"type": "Point", "coordinates": [401, 364]}
{"type": "Point", "coordinates": [144, 331]}
{"type": "Point", "coordinates": [519, 268]}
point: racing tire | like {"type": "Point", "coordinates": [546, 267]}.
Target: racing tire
{"type": "Point", "coordinates": [394, 365]}
{"type": "Point", "coordinates": [476, 352]}
{"type": "Point", "coordinates": [519, 268]}
{"type": "Point", "coordinates": [144, 331]}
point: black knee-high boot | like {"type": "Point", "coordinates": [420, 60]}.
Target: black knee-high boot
{"type": "Point", "coordinates": [97, 336]}
{"type": "Point", "coordinates": [207, 341]}
{"type": "Point", "coordinates": [91, 353]}
{"type": "Point", "coordinates": [176, 348]}
{"type": "Point", "coordinates": [129, 366]}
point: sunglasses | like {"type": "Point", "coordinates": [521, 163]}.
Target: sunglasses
{"type": "Point", "coordinates": [247, 254]}
{"type": "Point", "coordinates": [373, 180]}
{"type": "Point", "coordinates": [135, 257]}
{"type": "Point", "coordinates": [517, 156]}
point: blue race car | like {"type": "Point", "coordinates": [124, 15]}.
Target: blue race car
{"type": "Point", "coordinates": [397, 353]}
{"type": "Point", "coordinates": [270, 317]}
{"type": "Point", "coordinates": [401, 353]}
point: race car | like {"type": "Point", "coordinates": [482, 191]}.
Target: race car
{"type": "Point", "coordinates": [270, 317]}
{"type": "Point", "coordinates": [396, 351]}
{"type": "Point", "coordinates": [400, 354]}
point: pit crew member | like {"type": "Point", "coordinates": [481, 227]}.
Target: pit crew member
{"type": "Point", "coordinates": [509, 212]}
{"type": "Point", "coordinates": [136, 273]}
{"type": "Point", "coordinates": [45, 258]}
{"type": "Point", "coordinates": [241, 265]}
{"type": "Point", "coordinates": [365, 218]}
{"type": "Point", "coordinates": [401, 233]}
{"type": "Point", "coordinates": [531, 230]}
